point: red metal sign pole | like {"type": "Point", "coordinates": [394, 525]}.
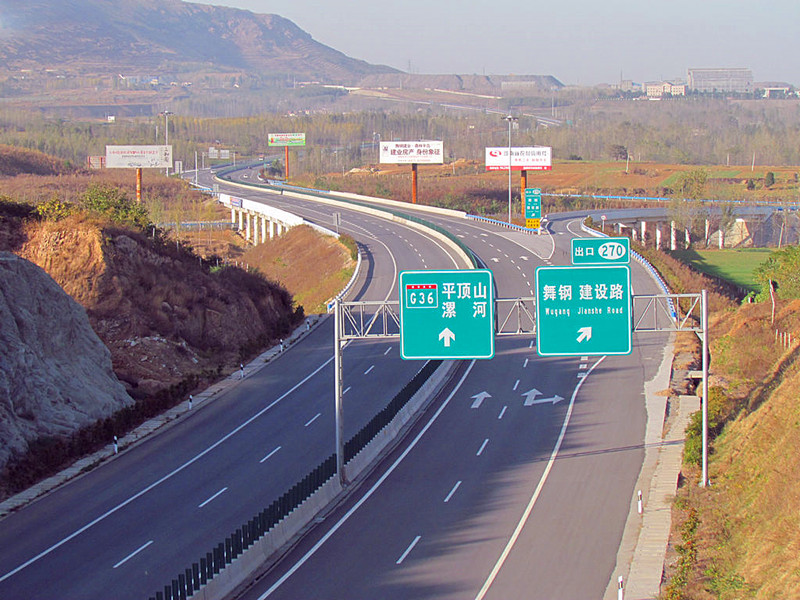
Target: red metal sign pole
{"type": "Point", "coordinates": [139, 185]}
{"type": "Point", "coordinates": [413, 183]}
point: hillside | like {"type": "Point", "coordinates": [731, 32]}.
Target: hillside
{"type": "Point", "coordinates": [55, 373]}
{"type": "Point", "coordinates": [155, 37]}
{"type": "Point", "coordinates": [737, 538]}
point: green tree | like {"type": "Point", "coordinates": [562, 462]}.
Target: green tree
{"type": "Point", "coordinates": [769, 179]}
{"type": "Point", "coordinates": [618, 152]}
{"type": "Point", "coordinates": [782, 267]}
{"type": "Point", "coordinates": [692, 184]}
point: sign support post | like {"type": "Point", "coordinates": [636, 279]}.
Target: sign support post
{"type": "Point", "coordinates": [414, 170]}
{"type": "Point", "coordinates": [338, 372]}
{"type": "Point", "coordinates": [139, 185]}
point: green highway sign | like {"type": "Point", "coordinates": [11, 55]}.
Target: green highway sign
{"type": "Point", "coordinates": [601, 251]}
{"type": "Point", "coordinates": [533, 203]}
{"type": "Point", "coordinates": [583, 310]}
{"type": "Point", "coordinates": [447, 314]}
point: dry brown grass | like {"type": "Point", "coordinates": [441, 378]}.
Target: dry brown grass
{"type": "Point", "coordinates": [312, 266]}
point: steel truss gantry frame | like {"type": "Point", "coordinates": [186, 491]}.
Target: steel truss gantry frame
{"type": "Point", "coordinates": [652, 313]}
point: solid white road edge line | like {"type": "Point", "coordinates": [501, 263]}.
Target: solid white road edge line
{"type": "Point", "coordinates": [369, 493]}
{"type": "Point", "coordinates": [524, 519]}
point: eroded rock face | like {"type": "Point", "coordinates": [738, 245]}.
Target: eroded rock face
{"type": "Point", "coordinates": [55, 373]}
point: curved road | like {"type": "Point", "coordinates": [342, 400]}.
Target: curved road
{"type": "Point", "coordinates": [125, 529]}
{"type": "Point", "coordinates": [518, 495]}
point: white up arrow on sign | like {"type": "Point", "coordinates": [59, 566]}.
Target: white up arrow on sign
{"type": "Point", "coordinates": [585, 334]}
{"type": "Point", "coordinates": [448, 336]}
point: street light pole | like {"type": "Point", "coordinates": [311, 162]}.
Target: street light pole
{"type": "Point", "coordinates": [510, 120]}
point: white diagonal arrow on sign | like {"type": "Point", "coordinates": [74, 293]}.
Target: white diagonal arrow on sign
{"type": "Point", "coordinates": [554, 400]}
{"type": "Point", "coordinates": [530, 395]}
{"type": "Point", "coordinates": [585, 334]}
{"type": "Point", "coordinates": [480, 397]}
{"type": "Point", "coordinates": [448, 336]}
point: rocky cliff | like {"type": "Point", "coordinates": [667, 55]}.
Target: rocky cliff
{"type": "Point", "coordinates": [55, 373]}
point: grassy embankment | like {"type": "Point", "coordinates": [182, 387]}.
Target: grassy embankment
{"type": "Point", "coordinates": [738, 537]}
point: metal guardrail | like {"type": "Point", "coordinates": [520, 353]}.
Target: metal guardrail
{"type": "Point", "coordinates": [505, 224]}
{"type": "Point", "coordinates": [194, 577]}
{"type": "Point", "coordinates": [328, 196]}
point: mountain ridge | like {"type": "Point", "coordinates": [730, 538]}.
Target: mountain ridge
{"type": "Point", "coordinates": [103, 36]}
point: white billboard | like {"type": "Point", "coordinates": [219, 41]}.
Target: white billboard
{"type": "Point", "coordinates": [286, 139]}
{"type": "Point", "coordinates": [138, 157]}
{"type": "Point", "coordinates": [532, 158]}
{"type": "Point", "coordinates": [404, 153]}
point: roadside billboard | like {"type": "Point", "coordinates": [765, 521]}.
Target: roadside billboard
{"type": "Point", "coordinates": [532, 158]}
{"type": "Point", "coordinates": [138, 157]}
{"type": "Point", "coordinates": [286, 139]}
{"type": "Point", "coordinates": [405, 153]}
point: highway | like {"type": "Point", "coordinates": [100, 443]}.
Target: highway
{"type": "Point", "coordinates": [516, 495]}
{"type": "Point", "coordinates": [127, 528]}
{"type": "Point", "coordinates": [516, 482]}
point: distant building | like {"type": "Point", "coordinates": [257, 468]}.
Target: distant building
{"type": "Point", "coordinates": [659, 89]}
{"type": "Point", "coordinates": [721, 80]}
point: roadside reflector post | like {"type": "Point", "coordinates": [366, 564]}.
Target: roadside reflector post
{"type": "Point", "coordinates": [639, 502]}
{"type": "Point", "coordinates": [620, 589]}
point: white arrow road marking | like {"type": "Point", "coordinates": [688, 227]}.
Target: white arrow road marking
{"type": "Point", "coordinates": [524, 257]}
{"type": "Point", "coordinates": [480, 397]}
{"type": "Point", "coordinates": [554, 400]}
{"type": "Point", "coordinates": [585, 334]}
{"type": "Point", "coordinates": [530, 395]}
{"type": "Point", "coordinates": [495, 259]}
{"type": "Point", "coordinates": [448, 336]}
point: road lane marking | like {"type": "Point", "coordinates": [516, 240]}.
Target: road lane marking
{"type": "Point", "coordinates": [132, 554]}
{"type": "Point", "coordinates": [372, 490]}
{"type": "Point", "coordinates": [409, 549]}
{"type": "Point", "coordinates": [483, 446]}
{"type": "Point", "coordinates": [525, 366]}
{"type": "Point", "coordinates": [516, 385]}
{"type": "Point", "coordinates": [453, 491]}
{"type": "Point", "coordinates": [347, 389]}
{"type": "Point", "coordinates": [317, 416]}
{"type": "Point", "coordinates": [389, 349]}
{"type": "Point", "coordinates": [222, 491]}
{"type": "Point", "coordinates": [524, 518]}
{"type": "Point", "coordinates": [368, 370]}
{"type": "Point", "coordinates": [166, 477]}
{"type": "Point", "coordinates": [502, 412]}
{"type": "Point", "coordinates": [268, 456]}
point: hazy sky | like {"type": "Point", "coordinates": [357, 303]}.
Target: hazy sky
{"type": "Point", "coordinates": [578, 41]}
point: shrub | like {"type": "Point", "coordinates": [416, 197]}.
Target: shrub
{"type": "Point", "coordinates": [112, 202]}
{"type": "Point", "coordinates": [718, 411]}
